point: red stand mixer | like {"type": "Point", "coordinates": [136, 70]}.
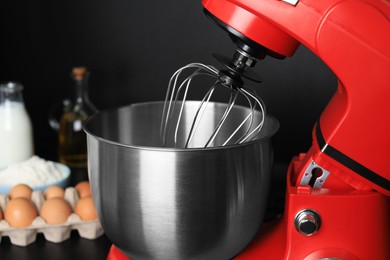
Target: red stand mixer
{"type": "Point", "coordinates": [337, 204]}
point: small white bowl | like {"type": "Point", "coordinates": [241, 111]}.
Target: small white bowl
{"type": "Point", "coordinates": [64, 182]}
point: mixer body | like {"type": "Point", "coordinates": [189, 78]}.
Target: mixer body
{"type": "Point", "coordinates": [339, 189]}
{"type": "Point", "coordinates": [352, 38]}
{"type": "Point", "coordinates": [350, 225]}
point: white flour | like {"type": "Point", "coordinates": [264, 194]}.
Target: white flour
{"type": "Point", "coordinates": [33, 172]}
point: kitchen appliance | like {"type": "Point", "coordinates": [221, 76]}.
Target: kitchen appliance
{"type": "Point", "coordinates": [337, 204]}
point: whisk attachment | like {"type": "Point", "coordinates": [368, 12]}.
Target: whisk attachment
{"type": "Point", "coordinates": [227, 79]}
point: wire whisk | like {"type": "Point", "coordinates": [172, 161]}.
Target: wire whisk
{"type": "Point", "coordinates": [177, 97]}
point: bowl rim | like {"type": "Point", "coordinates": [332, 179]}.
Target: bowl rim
{"type": "Point", "coordinates": [90, 134]}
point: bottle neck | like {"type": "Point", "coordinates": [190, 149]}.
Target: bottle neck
{"type": "Point", "coordinates": [11, 92]}
{"type": "Point", "coordinates": [82, 104]}
{"type": "Point", "coordinates": [81, 87]}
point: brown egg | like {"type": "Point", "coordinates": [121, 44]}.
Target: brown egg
{"type": "Point", "coordinates": [83, 189]}
{"type": "Point", "coordinates": [20, 212]}
{"type": "Point", "coordinates": [20, 191]}
{"type": "Point", "coordinates": [55, 210]}
{"type": "Point", "coordinates": [85, 208]}
{"type": "Point", "coordinates": [54, 192]}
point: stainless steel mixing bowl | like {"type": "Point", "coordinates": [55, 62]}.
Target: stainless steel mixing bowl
{"type": "Point", "coordinates": [167, 203]}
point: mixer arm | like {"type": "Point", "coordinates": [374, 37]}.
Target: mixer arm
{"type": "Point", "coordinates": [351, 140]}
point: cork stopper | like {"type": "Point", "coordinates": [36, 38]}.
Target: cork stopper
{"type": "Point", "coordinates": [79, 73]}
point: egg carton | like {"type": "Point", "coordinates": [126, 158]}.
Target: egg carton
{"type": "Point", "coordinates": [55, 233]}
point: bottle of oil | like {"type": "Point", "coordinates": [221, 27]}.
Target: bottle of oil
{"type": "Point", "coordinates": [72, 138]}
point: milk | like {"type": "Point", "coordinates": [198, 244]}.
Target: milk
{"type": "Point", "coordinates": [16, 142]}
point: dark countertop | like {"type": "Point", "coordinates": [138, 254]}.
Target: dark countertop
{"type": "Point", "coordinates": [73, 248]}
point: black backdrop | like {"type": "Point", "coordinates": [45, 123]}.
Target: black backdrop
{"type": "Point", "coordinates": [131, 49]}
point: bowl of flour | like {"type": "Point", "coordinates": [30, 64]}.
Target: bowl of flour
{"type": "Point", "coordinates": [36, 172]}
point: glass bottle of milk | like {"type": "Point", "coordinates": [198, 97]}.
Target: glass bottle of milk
{"type": "Point", "coordinates": [16, 138]}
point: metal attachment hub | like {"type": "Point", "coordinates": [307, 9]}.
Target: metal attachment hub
{"type": "Point", "coordinates": [307, 222]}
